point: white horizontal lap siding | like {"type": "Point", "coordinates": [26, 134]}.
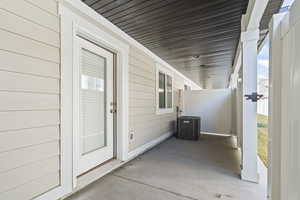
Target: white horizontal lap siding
{"type": "Point", "coordinates": [141, 102]}
{"type": "Point", "coordinates": [24, 174]}
{"type": "Point", "coordinates": [31, 137]}
{"type": "Point", "coordinates": [31, 11]}
{"type": "Point", "coordinates": [141, 87]}
{"type": "Point", "coordinates": [140, 79]}
{"type": "Point", "coordinates": [49, 6]}
{"type": "Point", "coordinates": [30, 98]}
{"type": "Point", "coordinates": [33, 188]}
{"type": "Point", "coordinates": [12, 81]}
{"type": "Point", "coordinates": [143, 120]}
{"type": "Point", "coordinates": [154, 122]}
{"type": "Point", "coordinates": [14, 101]}
{"type": "Point", "coordinates": [26, 46]}
{"type": "Point", "coordinates": [16, 62]}
{"type": "Point", "coordinates": [28, 29]}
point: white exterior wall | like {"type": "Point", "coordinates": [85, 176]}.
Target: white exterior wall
{"type": "Point", "coordinates": [143, 120]}
{"type": "Point", "coordinates": [30, 100]}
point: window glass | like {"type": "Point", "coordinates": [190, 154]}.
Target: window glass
{"type": "Point", "coordinates": [92, 102]}
{"type": "Point", "coordinates": [169, 91]}
{"type": "Point", "coordinates": [162, 90]}
{"type": "Point", "coordinates": [161, 80]}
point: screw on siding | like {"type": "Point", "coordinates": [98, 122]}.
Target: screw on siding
{"type": "Point", "coordinates": [221, 196]}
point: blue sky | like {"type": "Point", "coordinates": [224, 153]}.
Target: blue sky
{"type": "Point", "coordinates": [263, 62]}
{"type": "Point", "coordinates": [263, 56]}
{"type": "Point", "coordinates": [287, 3]}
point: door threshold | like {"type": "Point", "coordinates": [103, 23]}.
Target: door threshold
{"type": "Point", "coordinates": [98, 166]}
{"type": "Point", "coordinates": [97, 172]}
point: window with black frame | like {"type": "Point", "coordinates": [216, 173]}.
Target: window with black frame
{"type": "Point", "coordinates": [165, 92]}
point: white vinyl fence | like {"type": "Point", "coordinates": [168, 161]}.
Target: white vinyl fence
{"type": "Point", "coordinates": [262, 106]}
{"type": "Point", "coordinates": [213, 106]}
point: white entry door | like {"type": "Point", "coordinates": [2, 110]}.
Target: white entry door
{"type": "Point", "coordinates": [93, 100]}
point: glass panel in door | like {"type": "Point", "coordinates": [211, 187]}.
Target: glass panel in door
{"type": "Point", "coordinates": [93, 95]}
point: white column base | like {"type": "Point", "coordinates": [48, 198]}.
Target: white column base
{"type": "Point", "coordinates": [246, 176]}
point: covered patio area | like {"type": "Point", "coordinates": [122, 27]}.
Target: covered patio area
{"type": "Point", "coordinates": [177, 170]}
{"type": "Point", "coordinates": [92, 92]}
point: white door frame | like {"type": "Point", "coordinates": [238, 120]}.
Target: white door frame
{"type": "Point", "coordinates": [74, 25]}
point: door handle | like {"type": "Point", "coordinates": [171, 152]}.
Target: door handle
{"type": "Point", "coordinates": [113, 111]}
{"type": "Point", "coordinates": [114, 107]}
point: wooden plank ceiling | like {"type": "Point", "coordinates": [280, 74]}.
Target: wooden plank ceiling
{"type": "Point", "coordinates": [186, 33]}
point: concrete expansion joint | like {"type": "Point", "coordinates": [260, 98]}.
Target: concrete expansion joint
{"type": "Point", "coordinates": [156, 187]}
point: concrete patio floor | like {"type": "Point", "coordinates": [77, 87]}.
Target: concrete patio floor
{"type": "Point", "coordinates": [178, 170]}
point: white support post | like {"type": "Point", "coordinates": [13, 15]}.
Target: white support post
{"type": "Point", "coordinates": [249, 64]}
{"type": "Point", "coordinates": [250, 21]}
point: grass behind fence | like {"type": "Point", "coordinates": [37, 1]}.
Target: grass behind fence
{"type": "Point", "coordinates": [262, 136]}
